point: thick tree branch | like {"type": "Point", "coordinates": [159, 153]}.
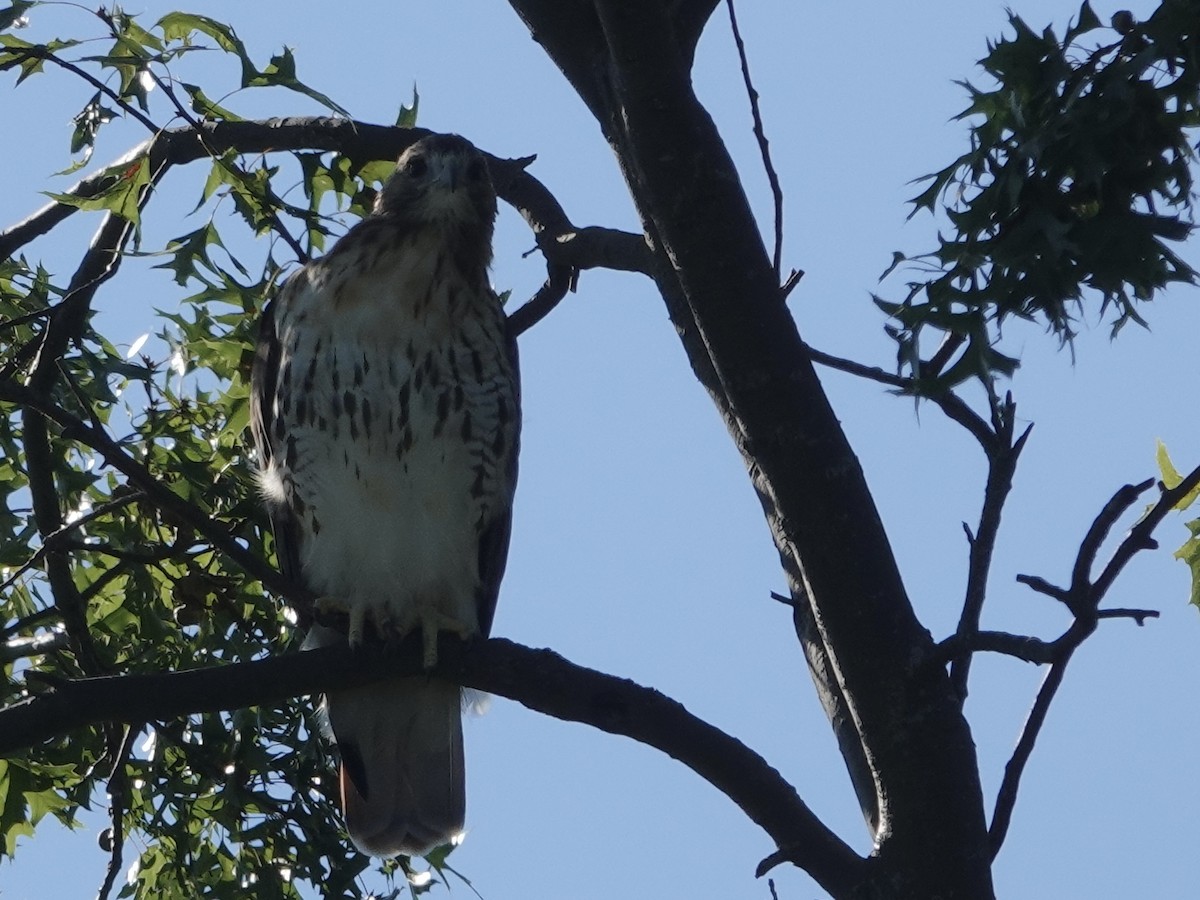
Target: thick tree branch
{"type": "Point", "coordinates": [855, 621]}
{"type": "Point", "coordinates": [539, 679]}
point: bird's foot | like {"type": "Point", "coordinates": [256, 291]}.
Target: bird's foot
{"type": "Point", "coordinates": [432, 623]}
{"type": "Point", "coordinates": [355, 613]}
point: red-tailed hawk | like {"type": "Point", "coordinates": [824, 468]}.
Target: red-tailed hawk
{"type": "Point", "coordinates": [385, 410]}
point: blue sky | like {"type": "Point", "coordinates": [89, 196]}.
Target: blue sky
{"type": "Point", "coordinates": [639, 548]}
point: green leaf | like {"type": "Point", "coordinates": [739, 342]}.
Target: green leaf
{"type": "Point", "coordinates": [281, 72]}
{"type": "Point", "coordinates": [180, 26]}
{"type": "Point", "coordinates": [88, 122]}
{"type": "Point", "coordinates": [206, 108]}
{"type": "Point", "coordinates": [408, 114]}
{"type": "Point", "coordinates": [121, 197]}
{"type": "Point", "coordinates": [1172, 478]}
{"type": "Point", "coordinates": [1190, 554]}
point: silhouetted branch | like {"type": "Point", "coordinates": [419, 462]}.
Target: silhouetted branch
{"type": "Point", "coordinates": [361, 142]}
{"type": "Point", "coordinates": [1083, 598]}
{"type": "Point", "coordinates": [1023, 647]}
{"type": "Point", "coordinates": [539, 679]}
{"type": "Point", "coordinates": [1002, 457]}
{"type": "Point", "coordinates": [118, 800]}
{"type": "Point", "coordinates": [1006, 798]}
{"type": "Point", "coordinates": [760, 135]}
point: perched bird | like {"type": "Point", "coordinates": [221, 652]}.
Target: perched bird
{"type": "Point", "coordinates": [385, 408]}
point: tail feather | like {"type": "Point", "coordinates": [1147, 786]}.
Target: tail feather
{"type": "Point", "coordinates": [402, 780]}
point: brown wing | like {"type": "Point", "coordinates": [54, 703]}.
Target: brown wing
{"type": "Point", "coordinates": [494, 538]}
{"type": "Point", "coordinates": [264, 381]}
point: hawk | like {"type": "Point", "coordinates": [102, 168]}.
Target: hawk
{"type": "Point", "coordinates": [385, 409]}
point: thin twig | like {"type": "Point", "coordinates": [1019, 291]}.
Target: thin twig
{"type": "Point", "coordinates": [761, 136]}
{"type": "Point", "coordinates": [1042, 586]}
{"type": "Point", "coordinates": [1125, 497]}
{"type": "Point", "coordinates": [1006, 798]}
{"type": "Point", "coordinates": [1002, 465]}
{"type": "Point", "coordinates": [950, 403]}
{"type": "Point", "coordinates": [235, 170]}
{"type": "Point", "coordinates": [1138, 615]}
{"type": "Point", "coordinates": [118, 793]}
{"type": "Point", "coordinates": [129, 109]}
{"type": "Point", "coordinates": [1140, 535]}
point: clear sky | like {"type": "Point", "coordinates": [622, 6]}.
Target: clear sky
{"type": "Point", "coordinates": [639, 546]}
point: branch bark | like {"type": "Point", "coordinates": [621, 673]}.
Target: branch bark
{"type": "Point", "coordinates": [538, 679]}
{"type": "Point", "coordinates": [904, 737]}
{"type": "Point", "coordinates": [561, 241]}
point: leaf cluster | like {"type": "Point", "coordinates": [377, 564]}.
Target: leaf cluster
{"type": "Point", "coordinates": [1077, 177]}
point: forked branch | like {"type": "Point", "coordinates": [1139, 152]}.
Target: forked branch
{"type": "Point", "coordinates": [1083, 598]}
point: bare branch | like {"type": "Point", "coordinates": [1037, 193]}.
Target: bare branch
{"type": "Point", "coordinates": [1124, 498]}
{"type": "Point", "coordinates": [1002, 464]}
{"type": "Point", "coordinates": [1042, 586]}
{"type": "Point", "coordinates": [558, 281]}
{"type": "Point", "coordinates": [361, 142]}
{"type": "Point", "coordinates": [1138, 615]}
{"type": "Point", "coordinates": [36, 645]}
{"type": "Point", "coordinates": [1083, 598]}
{"type": "Point", "coordinates": [1141, 534]}
{"type": "Point", "coordinates": [1006, 798]}
{"type": "Point", "coordinates": [118, 794]}
{"type": "Point", "coordinates": [539, 679]}
{"type": "Point", "coordinates": [760, 135]}
{"type": "Point", "coordinates": [1023, 647]}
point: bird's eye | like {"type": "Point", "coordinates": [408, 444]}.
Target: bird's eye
{"type": "Point", "coordinates": [416, 167]}
{"type": "Point", "coordinates": [476, 170]}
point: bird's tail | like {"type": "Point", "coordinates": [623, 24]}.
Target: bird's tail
{"type": "Point", "coordinates": [403, 787]}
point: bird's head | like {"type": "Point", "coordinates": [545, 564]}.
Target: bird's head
{"type": "Point", "coordinates": [441, 179]}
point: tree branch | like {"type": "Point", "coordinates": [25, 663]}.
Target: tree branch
{"type": "Point", "coordinates": [539, 679]}
{"type": "Point", "coordinates": [760, 135]}
{"type": "Point", "coordinates": [1023, 647]}
{"type": "Point", "coordinates": [1002, 464]}
{"type": "Point", "coordinates": [1083, 598]}
{"type": "Point", "coordinates": [854, 622]}
{"type": "Point", "coordinates": [562, 242]}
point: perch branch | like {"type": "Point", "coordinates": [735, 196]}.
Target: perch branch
{"type": "Point", "coordinates": [539, 679]}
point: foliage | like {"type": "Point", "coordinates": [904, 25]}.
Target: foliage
{"type": "Point", "coordinates": [1077, 175]}
{"type": "Point", "coordinates": [220, 803]}
{"type": "Point", "coordinates": [1189, 553]}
